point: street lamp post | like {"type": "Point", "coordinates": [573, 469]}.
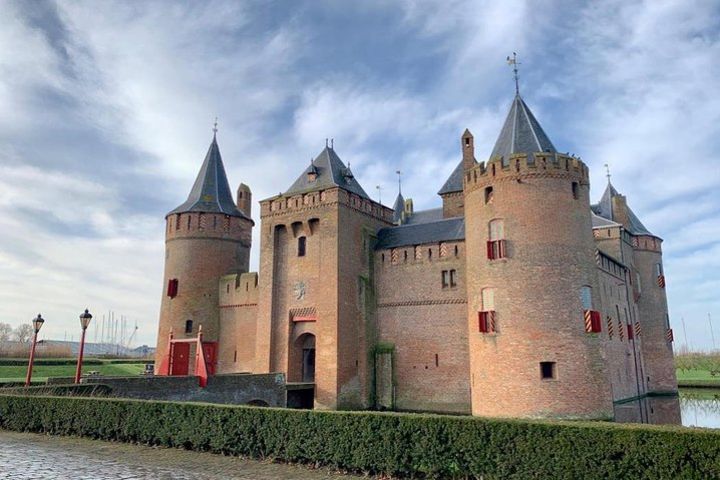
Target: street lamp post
{"type": "Point", "coordinates": [37, 325]}
{"type": "Point", "coordinates": [85, 318]}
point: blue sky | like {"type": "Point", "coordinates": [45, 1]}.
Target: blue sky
{"type": "Point", "coordinates": [107, 108]}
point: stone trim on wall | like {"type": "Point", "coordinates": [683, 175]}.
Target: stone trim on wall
{"type": "Point", "coordinates": [414, 303]}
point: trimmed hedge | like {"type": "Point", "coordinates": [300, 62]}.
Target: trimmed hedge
{"type": "Point", "coordinates": [82, 390]}
{"type": "Point", "coordinates": [431, 446]}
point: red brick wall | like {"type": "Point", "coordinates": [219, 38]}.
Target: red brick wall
{"type": "Point", "coordinates": [238, 296]}
{"type": "Point", "coordinates": [551, 254]}
{"type": "Point", "coordinates": [422, 319]}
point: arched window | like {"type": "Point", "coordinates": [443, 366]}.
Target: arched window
{"type": "Point", "coordinates": [586, 297]}
{"type": "Point", "coordinates": [188, 326]}
{"type": "Point", "coordinates": [497, 229]}
{"type": "Point", "coordinates": [301, 246]}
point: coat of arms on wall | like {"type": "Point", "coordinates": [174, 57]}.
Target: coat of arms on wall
{"type": "Point", "coordinates": [299, 290]}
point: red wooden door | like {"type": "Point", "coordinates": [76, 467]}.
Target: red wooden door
{"type": "Point", "coordinates": [210, 349]}
{"type": "Point", "coordinates": [180, 359]}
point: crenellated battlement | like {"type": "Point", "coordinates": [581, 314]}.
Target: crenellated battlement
{"type": "Point", "coordinates": [238, 290]}
{"type": "Point", "coordinates": [522, 165]}
{"type": "Point", "coordinates": [208, 225]}
{"type": "Point", "coordinates": [282, 204]}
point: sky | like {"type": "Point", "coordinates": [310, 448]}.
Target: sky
{"type": "Point", "coordinates": [106, 111]}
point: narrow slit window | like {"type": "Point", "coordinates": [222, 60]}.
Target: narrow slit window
{"type": "Point", "coordinates": [453, 280]}
{"type": "Point", "coordinates": [575, 190]}
{"type": "Point", "coordinates": [302, 241]}
{"type": "Point", "coordinates": [188, 326]}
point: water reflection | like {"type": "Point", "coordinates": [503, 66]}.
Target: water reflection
{"type": "Point", "coordinates": [700, 407]}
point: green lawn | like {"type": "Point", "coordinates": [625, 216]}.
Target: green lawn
{"type": "Point", "coordinates": [697, 378]}
{"type": "Point", "coordinates": [42, 372]}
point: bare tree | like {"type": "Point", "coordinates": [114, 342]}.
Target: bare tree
{"type": "Point", "coordinates": [5, 331]}
{"type": "Point", "coordinates": [23, 333]}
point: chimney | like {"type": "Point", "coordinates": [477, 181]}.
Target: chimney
{"type": "Point", "coordinates": [467, 143]}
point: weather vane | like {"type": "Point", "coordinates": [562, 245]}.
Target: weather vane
{"type": "Point", "coordinates": [399, 174]}
{"type": "Point", "coordinates": [513, 61]}
{"type": "Point", "coordinates": [215, 126]}
{"type": "Point", "coordinates": [607, 169]}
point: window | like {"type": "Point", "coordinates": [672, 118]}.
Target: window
{"type": "Point", "coordinates": [547, 370]}
{"type": "Point", "coordinates": [488, 194]}
{"type": "Point", "coordinates": [172, 289]}
{"type": "Point", "coordinates": [637, 283]}
{"type": "Point", "coordinates": [586, 297]}
{"type": "Point", "coordinates": [486, 317]}
{"type": "Point", "coordinates": [301, 246]}
{"type": "Point", "coordinates": [188, 326]}
{"type": "Point", "coordinates": [575, 190]}
{"type": "Point", "coordinates": [496, 242]}
{"type": "Point", "coordinates": [449, 278]}
{"type": "Point", "coordinates": [660, 275]}
{"type": "Point", "coordinates": [658, 269]}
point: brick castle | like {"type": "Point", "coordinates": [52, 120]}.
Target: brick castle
{"type": "Point", "coordinates": [518, 297]}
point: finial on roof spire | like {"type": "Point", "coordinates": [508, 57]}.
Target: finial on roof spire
{"type": "Point", "coordinates": [513, 61]}
{"type": "Point", "coordinates": [332, 145]}
{"type": "Point", "coordinates": [326, 143]}
{"type": "Point", "coordinates": [215, 128]}
{"type": "Point", "coordinates": [379, 194]}
{"type": "Point", "coordinates": [399, 174]}
{"type": "Point", "coordinates": [607, 169]}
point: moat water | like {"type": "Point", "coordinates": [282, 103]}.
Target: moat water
{"type": "Point", "coordinates": [700, 407]}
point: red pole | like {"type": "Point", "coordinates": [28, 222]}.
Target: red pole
{"type": "Point", "coordinates": [78, 372]}
{"type": "Point", "coordinates": [32, 359]}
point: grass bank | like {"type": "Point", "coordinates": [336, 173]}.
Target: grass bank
{"type": "Point", "coordinates": [409, 445]}
{"type": "Point", "coordinates": [10, 373]}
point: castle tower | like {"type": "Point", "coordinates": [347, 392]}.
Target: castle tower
{"type": "Point", "coordinates": [315, 274]}
{"type": "Point", "coordinates": [205, 238]}
{"type": "Point", "coordinates": [532, 275]}
{"type": "Point", "coordinates": [649, 289]}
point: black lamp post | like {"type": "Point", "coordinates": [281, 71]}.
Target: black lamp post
{"type": "Point", "coordinates": [37, 323]}
{"type": "Point", "coordinates": [85, 318]}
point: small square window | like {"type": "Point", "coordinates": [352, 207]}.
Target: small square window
{"type": "Point", "coordinates": [445, 278]}
{"type": "Point", "coordinates": [547, 370]}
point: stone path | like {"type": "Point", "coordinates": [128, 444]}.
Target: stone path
{"type": "Point", "coordinates": [34, 456]}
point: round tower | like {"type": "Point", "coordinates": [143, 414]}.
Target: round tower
{"type": "Point", "coordinates": [531, 275]}
{"type": "Point", "coordinates": [205, 238]}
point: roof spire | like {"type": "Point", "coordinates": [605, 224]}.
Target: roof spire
{"type": "Point", "coordinates": [513, 61]}
{"type": "Point", "coordinates": [607, 169]}
{"type": "Point", "coordinates": [399, 174]}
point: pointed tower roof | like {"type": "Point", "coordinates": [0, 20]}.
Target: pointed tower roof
{"type": "Point", "coordinates": [521, 133]}
{"type": "Point", "coordinates": [604, 209]}
{"type": "Point", "coordinates": [454, 183]}
{"type": "Point", "coordinates": [398, 207]}
{"type": "Point", "coordinates": [211, 191]}
{"type": "Point", "coordinates": [330, 172]}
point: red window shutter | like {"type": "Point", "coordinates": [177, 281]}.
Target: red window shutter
{"type": "Point", "coordinates": [501, 248]}
{"type": "Point", "coordinates": [482, 322]}
{"type": "Point", "coordinates": [596, 323]}
{"type": "Point", "coordinates": [661, 281]}
{"type": "Point", "coordinates": [172, 288]}
{"type": "Point", "coordinates": [490, 250]}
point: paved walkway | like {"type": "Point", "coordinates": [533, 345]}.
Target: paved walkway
{"type": "Point", "coordinates": [33, 456]}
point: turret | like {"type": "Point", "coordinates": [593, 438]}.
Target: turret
{"type": "Point", "coordinates": [205, 238]}
{"type": "Point", "coordinates": [244, 200]}
{"type": "Point", "coordinates": [528, 229]}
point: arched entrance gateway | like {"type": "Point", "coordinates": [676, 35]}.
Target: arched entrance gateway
{"type": "Point", "coordinates": [301, 372]}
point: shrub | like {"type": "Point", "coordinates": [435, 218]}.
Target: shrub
{"type": "Point", "coordinates": [430, 446]}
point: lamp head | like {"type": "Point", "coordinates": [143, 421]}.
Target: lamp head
{"type": "Point", "coordinates": [37, 323]}
{"type": "Point", "coordinates": [85, 318]}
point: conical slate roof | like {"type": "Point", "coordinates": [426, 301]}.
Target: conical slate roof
{"type": "Point", "coordinates": [521, 133]}
{"type": "Point", "coordinates": [454, 183]}
{"type": "Point", "coordinates": [604, 209]}
{"type": "Point", "coordinates": [331, 172]}
{"type": "Point", "coordinates": [211, 192]}
{"type": "Point", "coordinates": [398, 207]}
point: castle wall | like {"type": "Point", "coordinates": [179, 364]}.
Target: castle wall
{"type": "Point", "coordinates": [426, 324]}
{"type": "Point", "coordinates": [653, 311]}
{"type": "Point", "coordinates": [199, 249]}
{"type": "Point", "coordinates": [238, 297]}
{"type": "Point", "coordinates": [539, 314]}
{"type": "Point", "coordinates": [322, 284]}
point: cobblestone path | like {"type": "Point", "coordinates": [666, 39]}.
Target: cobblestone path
{"type": "Point", "coordinates": [33, 456]}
